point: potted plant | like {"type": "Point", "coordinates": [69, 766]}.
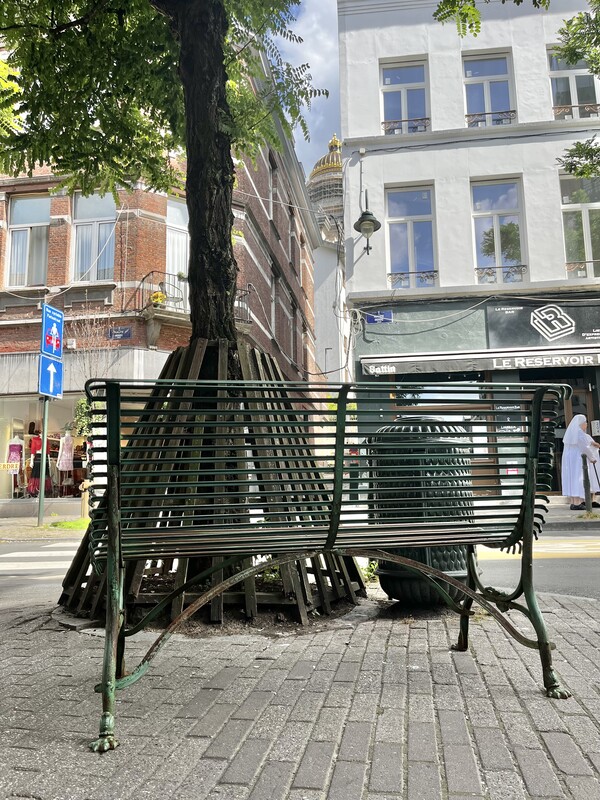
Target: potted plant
{"type": "Point", "coordinates": [158, 299]}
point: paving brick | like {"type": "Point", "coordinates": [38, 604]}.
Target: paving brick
{"type": "Point", "coordinates": [229, 739]}
{"type": "Point", "coordinates": [421, 742]}
{"type": "Point", "coordinates": [585, 788]}
{"type": "Point", "coordinates": [330, 724]}
{"type": "Point", "coordinates": [493, 752]}
{"type": "Point", "coordinates": [291, 742]}
{"type": "Point", "coordinates": [386, 768]}
{"type": "Point", "coordinates": [317, 762]}
{"type": "Point", "coordinates": [537, 772]}
{"type": "Point", "coordinates": [462, 775]}
{"type": "Point", "coordinates": [423, 781]}
{"type": "Point", "coordinates": [566, 754]}
{"type": "Point", "coordinates": [347, 781]}
{"type": "Point", "coordinates": [453, 728]}
{"type": "Point", "coordinates": [273, 782]}
{"type": "Point", "coordinates": [253, 705]}
{"type": "Point", "coordinates": [504, 785]}
{"type": "Point", "coordinates": [355, 742]}
{"type": "Point", "coordinates": [246, 762]}
{"type": "Point", "coordinates": [213, 720]}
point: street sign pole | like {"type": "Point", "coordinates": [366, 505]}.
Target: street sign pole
{"type": "Point", "coordinates": [42, 491]}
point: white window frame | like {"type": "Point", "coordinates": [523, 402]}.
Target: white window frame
{"type": "Point", "coordinates": [413, 273]}
{"type": "Point", "coordinates": [572, 73]}
{"type": "Point", "coordinates": [170, 270]}
{"type": "Point", "coordinates": [25, 227]}
{"type": "Point", "coordinates": [508, 274]}
{"type": "Point", "coordinates": [90, 276]}
{"type": "Point", "coordinates": [488, 114]}
{"type": "Point", "coordinates": [402, 88]}
{"type": "Point", "coordinates": [588, 267]}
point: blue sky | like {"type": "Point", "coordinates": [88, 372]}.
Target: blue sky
{"type": "Point", "coordinates": [317, 25]}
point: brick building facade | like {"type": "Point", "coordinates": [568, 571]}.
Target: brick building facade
{"type": "Point", "coordinates": [118, 270]}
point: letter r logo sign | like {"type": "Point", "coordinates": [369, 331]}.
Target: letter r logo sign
{"type": "Point", "coordinates": [552, 322]}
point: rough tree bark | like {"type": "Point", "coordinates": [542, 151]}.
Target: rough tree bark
{"type": "Point", "coordinates": [200, 27]}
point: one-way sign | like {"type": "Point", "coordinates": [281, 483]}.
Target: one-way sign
{"type": "Point", "coordinates": [51, 376]}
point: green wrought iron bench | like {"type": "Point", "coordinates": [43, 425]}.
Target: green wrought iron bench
{"type": "Point", "coordinates": [256, 473]}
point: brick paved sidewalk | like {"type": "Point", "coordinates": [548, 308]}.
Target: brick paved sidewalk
{"type": "Point", "coordinates": [376, 707]}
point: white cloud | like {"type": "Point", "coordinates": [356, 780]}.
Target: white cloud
{"type": "Point", "coordinates": [316, 24]}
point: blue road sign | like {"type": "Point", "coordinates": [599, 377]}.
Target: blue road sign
{"type": "Point", "coordinates": [52, 331]}
{"type": "Point", "coordinates": [51, 376]}
{"type": "Point", "coordinates": [379, 316]}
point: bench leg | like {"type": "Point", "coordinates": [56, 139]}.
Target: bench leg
{"type": "Point", "coordinates": [551, 682]}
{"type": "Point", "coordinates": [113, 642]}
{"type": "Point", "coordinates": [463, 635]}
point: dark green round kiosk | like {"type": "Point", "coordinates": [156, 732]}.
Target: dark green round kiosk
{"type": "Point", "coordinates": [413, 460]}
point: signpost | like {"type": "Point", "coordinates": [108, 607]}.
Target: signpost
{"type": "Point", "coordinates": [50, 382]}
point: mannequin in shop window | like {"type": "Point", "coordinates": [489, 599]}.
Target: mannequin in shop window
{"type": "Point", "coordinates": [33, 484]}
{"type": "Point", "coordinates": [65, 453]}
{"type": "Point", "coordinates": [16, 455]}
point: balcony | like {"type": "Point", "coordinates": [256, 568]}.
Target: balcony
{"type": "Point", "coordinates": [487, 119]}
{"type": "Point", "coordinates": [512, 274]}
{"type": "Point", "coordinates": [162, 291]}
{"type": "Point", "coordinates": [583, 111]}
{"type": "Point", "coordinates": [577, 270]}
{"type": "Point", "coordinates": [413, 280]}
{"type": "Point", "coordinates": [398, 126]}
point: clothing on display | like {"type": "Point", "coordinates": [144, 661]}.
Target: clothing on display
{"type": "Point", "coordinates": [33, 484]}
{"type": "Point", "coordinates": [16, 455]}
{"type": "Point", "coordinates": [35, 445]}
{"type": "Point", "coordinates": [65, 453]}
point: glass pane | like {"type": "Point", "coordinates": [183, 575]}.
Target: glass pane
{"type": "Point", "coordinates": [399, 247]}
{"type": "Point", "coordinates": [177, 252]}
{"type": "Point", "coordinates": [106, 252]}
{"type": "Point", "coordinates": [594, 218]}
{"type": "Point", "coordinates": [586, 94]}
{"type": "Point", "coordinates": [29, 210]}
{"type": "Point", "coordinates": [561, 92]}
{"type": "Point", "coordinates": [579, 190]}
{"type": "Point", "coordinates": [95, 207]}
{"type": "Point", "coordinates": [177, 213]}
{"type": "Point", "coordinates": [412, 73]}
{"type": "Point", "coordinates": [18, 258]}
{"type": "Point", "coordinates": [485, 242]}
{"type": "Point", "coordinates": [495, 197]}
{"type": "Point", "coordinates": [83, 252]}
{"type": "Point", "coordinates": [475, 99]}
{"type": "Point", "coordinates": [485, 67]}
{"type": "Point", "coordinates": [415, 203]}
{"type": "Point", "coordinates": [510, 241]}
{"type": "Point", "coordinates": [573, 231]}
{"type": "Point", "coordinates": [392, 106]}
{"type": "Point", "coordinates": [38, 256]}
{"type": "Point", "coordinates": [499, 99]}
{"type": "Point", "coordinates": [415, 99]}
{"type": "Point", "coordinates": [423, 246]}
{"type": "Point", "coordinates": [557, 64]}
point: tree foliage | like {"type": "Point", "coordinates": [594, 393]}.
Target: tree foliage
{"type": "Point", "coordinates": [98, 88]}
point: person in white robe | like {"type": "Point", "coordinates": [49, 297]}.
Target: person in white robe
{"type": "Point", "coordinates": [578, 442]}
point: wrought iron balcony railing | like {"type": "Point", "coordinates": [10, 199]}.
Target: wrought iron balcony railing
{"type": "Point", "coordinates": [489, 118]}
{"type": "Point", "coordinates": [583, 269]}
{"type": "Point", "coordinates": [398, 126]}
{"type": "Point", "coordinates": [512, 274]}
{"type": "Point", "coordinates": [412, 280]}
{"type": "Point", "coordinates": [582, 111]}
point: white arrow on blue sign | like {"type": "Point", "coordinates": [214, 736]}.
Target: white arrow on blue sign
{"type": "Point", "coordinates": [53, 322]}
{"type": "Point", "coordinates": [51, 376]}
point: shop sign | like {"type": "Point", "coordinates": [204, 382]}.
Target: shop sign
{"type": "Point", "coordinates": [539, 361]}
{"type": "Point", "coordinates": [119, 332]}
{"type": "Point", "coordinates": [8, 466]}
{"type": "Point", "coordinates": [542, 324]}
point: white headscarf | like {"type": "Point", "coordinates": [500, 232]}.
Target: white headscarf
{"type": "Point", "coordinates": [572, 432]}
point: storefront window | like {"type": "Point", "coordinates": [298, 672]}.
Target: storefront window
{"type": "Point", "coordinates": [20, 443]}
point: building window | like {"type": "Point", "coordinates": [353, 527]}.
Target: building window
{"type": "Point", "coordinates": [177, 253]}
{"type": "Point", "coordinates": [496, 219]}
{"type": "Point", "coordinates": [29, 220]}
{"type": "Point", "coordinates": [487, 92]}
{"type": "Point", "coordinates": [581, 226]}
{"type": "Point", "coordinates": [95, 218]}
{"type": "Point", "coordinates": [404, 99]}
{"type": "Point", "coordinates": [410, 227]}
{"type": "Point", "coordinates": [574, 90]}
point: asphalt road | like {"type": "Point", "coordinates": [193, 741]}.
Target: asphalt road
{"type": "Point", "coordinates": [31, 572]}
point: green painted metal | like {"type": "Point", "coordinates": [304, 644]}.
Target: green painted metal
{"type": "Point", "coordinates": [238, 470]}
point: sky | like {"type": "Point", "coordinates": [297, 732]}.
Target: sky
{"type": "Point", "coordinates": [316, 24]}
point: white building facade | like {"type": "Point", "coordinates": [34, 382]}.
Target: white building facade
{"type": "Point", "coordinates": [487, 262]}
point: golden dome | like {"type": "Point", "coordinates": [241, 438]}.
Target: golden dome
{"type": "Point", "coordinates": [332, 161]}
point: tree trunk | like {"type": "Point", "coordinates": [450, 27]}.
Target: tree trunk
{"type": "Point", "coordinates": [201, 27]}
